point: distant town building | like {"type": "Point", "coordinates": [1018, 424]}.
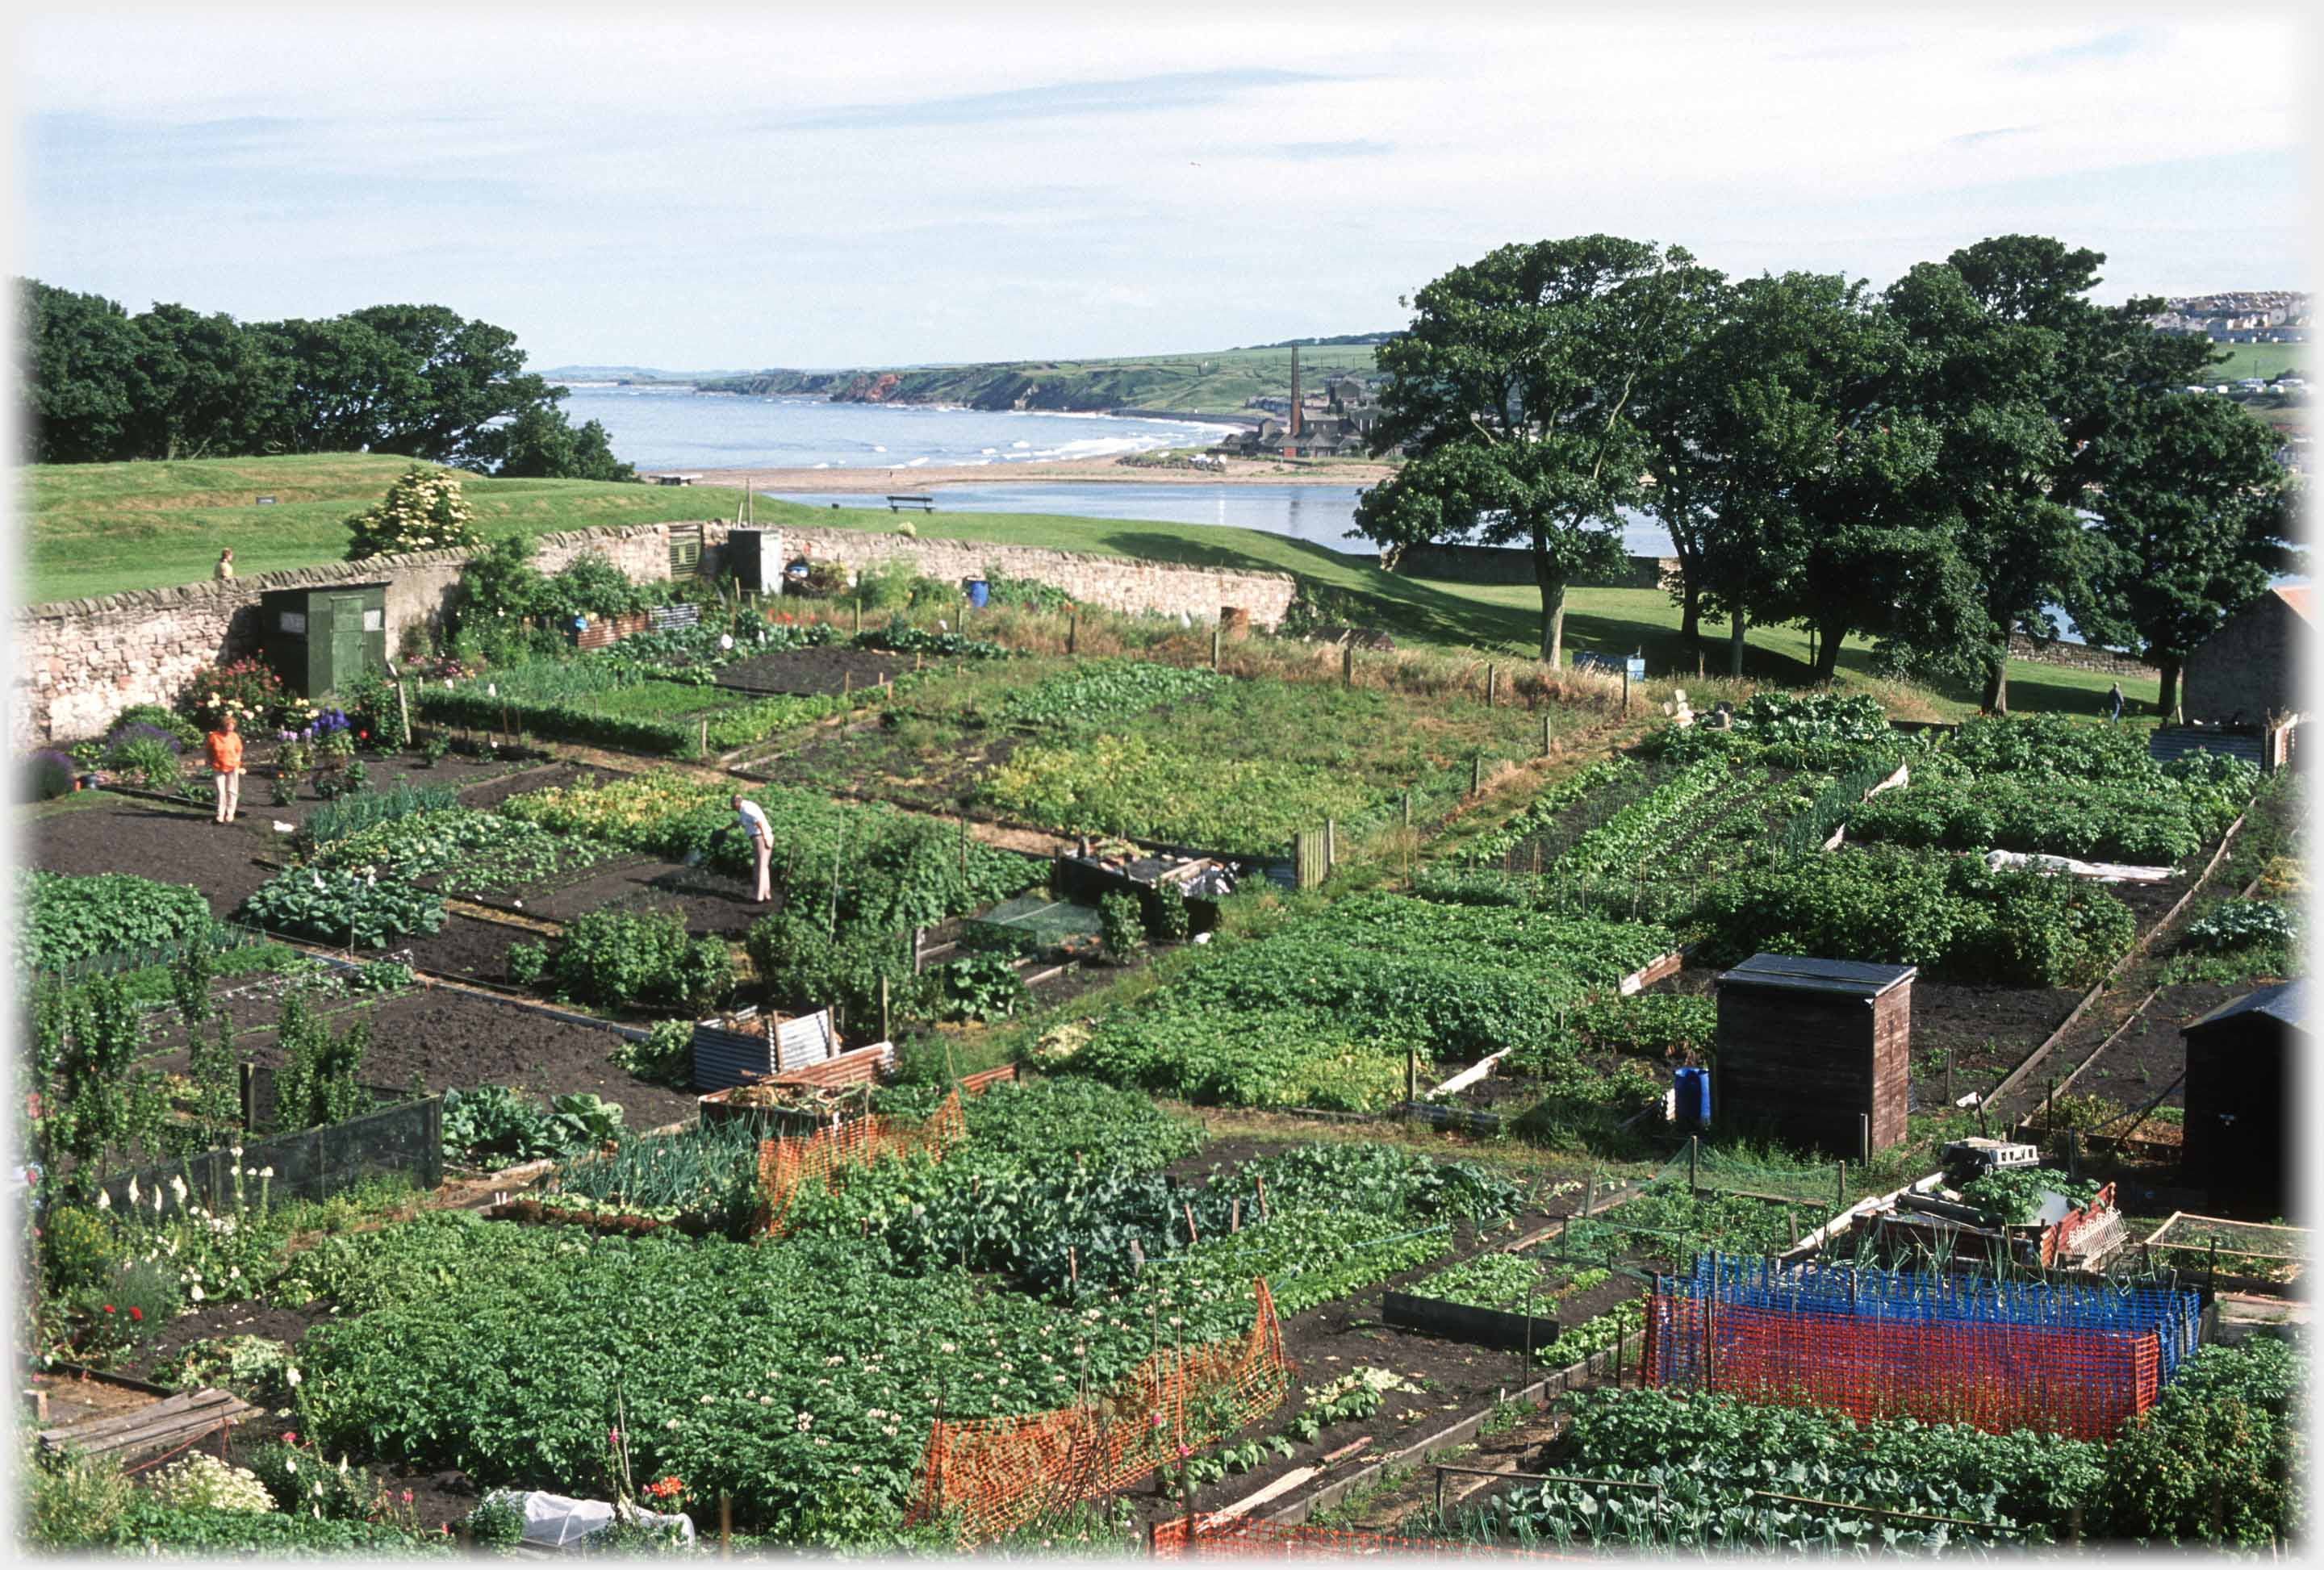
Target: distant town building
{"type": "Point", "coordinates": [2267, 315]}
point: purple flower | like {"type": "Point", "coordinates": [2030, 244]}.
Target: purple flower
{"type": "Point", "coordinates": [128, 733]}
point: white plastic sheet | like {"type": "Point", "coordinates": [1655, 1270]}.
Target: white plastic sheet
{"type": "Point", "coordinates": [2104, 871]}
{"type": "Point", "coordinates": [551, 1521]}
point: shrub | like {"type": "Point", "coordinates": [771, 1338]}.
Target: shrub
{"type": "Point", "coordinates": [371, 702]}
{"type": "Point", "coordinates": [300, 1480]}
{"type": "Point", "coordinates": [805, 964]}
{"type": "Point", "coordinates": [496, 1523]}
{"type": "Point", "coordinates": [2218, 1457]}
{"type": "Point", "coordinates": [981, 986]}
{"type": "Point", "coordinates": [526, 962]}
{"type": "Point", "coordinates": [76, 1249]}
{"type": "Point", "coordinates": [1121, 926]}
{"type": "Point", "coordinates": [247, 689]}
{"type": "Point", "coordinates": [666, 1056]}
{"type": "Point", "coordinates": [423, 511]}
{"type": "Point", "coordinates": [70, 1500]}
{"type": "Point", "coordinates": [203, 1482]}
{"type": "Point", "coordinates": [49, 774]}
{"type": "Point", "coordinates": [626, 959]}
{"type": "Point", "coordinates": [159, 718]}
{"type": "Point", "coordinates": [150, 760]}
{"type": "Point", "coordinates": [1169, 918]}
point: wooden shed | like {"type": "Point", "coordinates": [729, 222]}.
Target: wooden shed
{"type": "Point", "coordinates": [2240, 1094]}
{"type": "Point", "coordinates": [1811, 1048]}
{"type": "Point", "coordinates": [321, 638]}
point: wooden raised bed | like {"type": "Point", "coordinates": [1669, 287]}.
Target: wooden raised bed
{"type": "Point", "coordinates": [1459, 1322]}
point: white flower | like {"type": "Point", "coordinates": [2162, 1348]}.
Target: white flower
{"type": "Point", "coordinates": [104, 1200]}
{"type": "Point", "coordinates": [234, 1151]}
{"type": "Point", "coordinates": [196, 1293]}
{"type": "Point", "coordinates": [133, 1190]}
{"type": "Point", "coordinates": [267, 1172]}
{"type": "Point", "coordinates": [177, 1188]}
{"type": "Point", "coordinates": [293, 1376]}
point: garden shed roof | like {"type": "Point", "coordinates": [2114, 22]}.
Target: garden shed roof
{"type": "Point", "coordinates": [1847, 977]}
{"type": "Point", "coordinates": [2287, 1002]}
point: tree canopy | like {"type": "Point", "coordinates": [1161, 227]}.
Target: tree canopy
{"type": "Point", "coordinates": [416, 380]}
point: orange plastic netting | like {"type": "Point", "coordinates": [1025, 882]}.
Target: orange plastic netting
{"type": "Point", "coordinates": [1220, 1537]}
{"type": "Point", "coordinates": [999, 1473]}
{"type": "Point", "coordinates": [785, 1163]}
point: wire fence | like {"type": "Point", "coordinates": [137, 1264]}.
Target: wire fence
{"type": "Point", "coordinates": [223, 937]}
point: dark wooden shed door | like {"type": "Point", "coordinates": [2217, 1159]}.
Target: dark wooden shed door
{"type": "Point", "coordinates": [347, 639]}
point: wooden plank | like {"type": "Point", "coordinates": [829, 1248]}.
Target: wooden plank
{"type": "Point", "coordinates": [162, 1407]}
{"type": "Point", "coordinates": [1276, 1490]}
{"type": "Point", "coordinates": [1472, 1075]}
{"type": "Point", "coordinates": [188, 1425]}
{"type": "Point", "coordinates": [188, 1413]}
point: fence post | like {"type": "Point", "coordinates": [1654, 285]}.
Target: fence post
{"type": "Point", "coordinates": [1864, 1136]}
{"type": "Point", "coordinates": [1693, 1145]}
{"type": "Point", "coordinates": [1348, 664]}
{"type": "Point", "coordinates": [1331, 847]}
{"type": "Point", "coordinates": [1217, 629]}
{"type": "Point", "coordinates": [1492, 685]}
{"type": "Point", "coordinates": [859, 618]}
{"type": "Point", "coordinates": [705, 736]}
{"type": "Point", "coordinates": [1073, 627]}
{"type": "Point", "coordinates": [1840, 1197]}
{"type": "Point", "coordinates": [1476, 774]}
{"type": "Point", "coordinates": [884, 1034]}
{"type": "Point", "coordinates": [2073, 1153]}
{"type": "Point", "coordinates": [1408, 807]}
{"type": "Point", "coordinates": [1547, 735]}
{"type": "Point", "coordinates": [1412, 1077]}
{"type": "Point", "coordinates": [250, 1097]}
{"type": "Point", "coordinates": [725, 1525]}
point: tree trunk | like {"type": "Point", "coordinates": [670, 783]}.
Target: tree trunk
{"type": "Point", "coordinates": [1552, 580]}
{"type": "Point", "coordinates": [1827, 660]}
{"type": "Point", "coordinates": [1689, 619]}
{"type": "Point", "coordinates": [1737, 626]}
{"type": "Point", "coordinates": [2168, 702]}
{"type": "Point", "coordinates": [1996, 679]}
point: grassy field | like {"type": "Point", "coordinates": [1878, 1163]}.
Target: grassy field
{"type": "Point", "coordinates": [99, 529]}
{"type": "Point", "coordinates": [2266, 361]}
{"type": "Point", "coordinates": [1220, 381]}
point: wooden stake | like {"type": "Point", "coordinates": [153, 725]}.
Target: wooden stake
{"type": "Point", "coordinates": [403, 707]}
{"type": "Point", "coordinates": [1234, 1217]}
{"type": "Point", "coordinates": [1411, 1074]}
{"type": "Point", "coordinates": [1074, 1269]}
{"type": "Point", "coordinates": [1492, 685]}
{"type": "Point", "coordinates": [884, 1034]}
{"type": "Point", "coordinates": [1693, 1149]}
{"type": "Point", "coordinates": [1547, 735]}
{"type": "Point", "coordinates": [1476, 774]}
{"type": "Point", "coordinates": [1261, 1180]}
{"type": "Point", "coordinates": [1073, 627]}
{"type": "Point", "coordinates": [250, 1097]}
{"type": "Point", "coordinates": [725, 1526]}
{"type": "Point", "coordinates": [705, 736]}
{"type": "Point", "coordinates": [1192, 1236]}
{"type": "Point", "coordinates": [1348, 664]}
{"type": "Point", "coordinates": [1407, 808]}
{"type": "Point", "coordinates": [859, 619]}
{"type": "Point", "coordinates": [1216, 632]}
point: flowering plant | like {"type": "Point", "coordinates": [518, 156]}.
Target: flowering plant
{"type": "Point", "coordinates": [422, 511]}
{"type": "Point", "coordinates": [244, 688]}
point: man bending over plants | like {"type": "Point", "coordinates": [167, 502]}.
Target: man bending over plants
{"type": "Point", "coordinates": [753, 819]}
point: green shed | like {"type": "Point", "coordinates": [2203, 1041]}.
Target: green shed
{"type": "Point", "coordinates": [321, 638]}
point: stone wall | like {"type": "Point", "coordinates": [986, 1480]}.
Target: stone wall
{"type": "Point", "coordinates": [1123, 583]}
{"type": "Point", "coordinates": [2081, 657]}
{"type": "Point", "coordinates": [80, 662]}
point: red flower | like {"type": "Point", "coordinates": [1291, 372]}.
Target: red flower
{"type": "Point", "coordinates": [135, 1312]}
{"type": "Point", "coordinates": [108, 1308]}
{"type": "Point", "coordinates": [290, 1439]}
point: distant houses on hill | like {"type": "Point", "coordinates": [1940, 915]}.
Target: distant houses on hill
{"type": "Point", "coordinates": [2267, 315]}
{"type": "Point", "coordinates": [1337, 425]}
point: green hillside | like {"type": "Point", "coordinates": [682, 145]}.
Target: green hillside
{"type": "Point", "coordinates": [1222, 381]}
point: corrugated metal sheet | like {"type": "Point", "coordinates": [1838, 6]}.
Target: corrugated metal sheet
{"type": "Point", "coordinates": [724, 1058]}
{"type": "Point", "coordinates": [1790, 972]}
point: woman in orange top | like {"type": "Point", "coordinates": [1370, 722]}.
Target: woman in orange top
{"type": "Point", "coordinates": [225, 767]}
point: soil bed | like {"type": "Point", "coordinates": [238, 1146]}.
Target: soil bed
{"type": "Point", "coordinates": [487, 793]}
{"type": "Point", "coordinates": [384, 773]}
{"type": "Point", "coordinates": [457, 1040]}
{"type": "Point", "coordinates": [157, 841]}
{"type": "Point", "coordinates": [811, 672]}
{"type": "Point", "coordinates": [713, 902]}
{"type": "Point", "coordinates": [2135, 1067]}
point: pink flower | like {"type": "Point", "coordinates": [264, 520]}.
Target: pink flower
{"type": "Point", "coordinates": [290, 1439]}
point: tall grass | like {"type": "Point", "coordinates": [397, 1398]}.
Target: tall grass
{"type": "Point", "coordinates": [352, 814]}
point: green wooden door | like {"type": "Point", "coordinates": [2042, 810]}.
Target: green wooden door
{"type": "Point", "coordinates": [346, 641]}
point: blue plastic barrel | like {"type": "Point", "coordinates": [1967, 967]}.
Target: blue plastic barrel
{"type": "Point", "coordinates": [1694, 1089]}
{"type": "Point", "coordinates": [979, 592]}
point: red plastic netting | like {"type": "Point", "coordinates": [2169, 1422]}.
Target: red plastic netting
{"type": "Point", "coordinates": [1998, 1377]}
{"type": "Point", "coordinates": [999, 1473]}
{"type": "Point", "coordinates": [786, 1162]}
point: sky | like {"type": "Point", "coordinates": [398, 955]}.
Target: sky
{"type": "Point", "coordinates": [909, 185]}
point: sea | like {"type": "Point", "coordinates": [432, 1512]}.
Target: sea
{"type": "Point", "coordinates": [669, 428]}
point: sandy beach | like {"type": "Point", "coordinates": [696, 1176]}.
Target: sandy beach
{"type": "Point", "coordinates": [1083, 471]}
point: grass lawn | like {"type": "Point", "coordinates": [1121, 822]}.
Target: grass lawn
{"type": "Point", "coordinates": [2266, 361]}
{"type": "Point", "coordinates": [99, 529]}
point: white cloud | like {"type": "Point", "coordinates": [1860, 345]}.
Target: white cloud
{"type": "Point", "coordinates": [620, 190]}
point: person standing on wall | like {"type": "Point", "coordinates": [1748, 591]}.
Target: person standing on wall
{"type": "Point", "coordinates": [225, 766]}
{"type": "Point", "coordinates": [753, 819]}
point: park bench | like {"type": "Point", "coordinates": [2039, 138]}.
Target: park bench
{"type": "Point", "coordinates": [925, 503]}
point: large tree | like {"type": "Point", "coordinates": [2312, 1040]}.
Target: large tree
{"type": "Point", "coordinates": [79, 372]}
{"type": "Point", "coordinates": [2197, 513]}
{"type": "Point", "coordinates": [1510, 392]}
{"type": "Point", "coordinates": [541, 443]}
{"type": "Point", "coordinates": [204, 387]}
{"type": "Point", "coordinates": [467, 375]}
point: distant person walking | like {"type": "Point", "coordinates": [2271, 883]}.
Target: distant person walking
{"type": "Point", "coordinates": [2113, 702]}
{"type": "Point", "coordinates": [225, 767]}
{"type": "Point", "coordinates": [753, 819]}
{"type": "Point", "coordinates": [224, 571]}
